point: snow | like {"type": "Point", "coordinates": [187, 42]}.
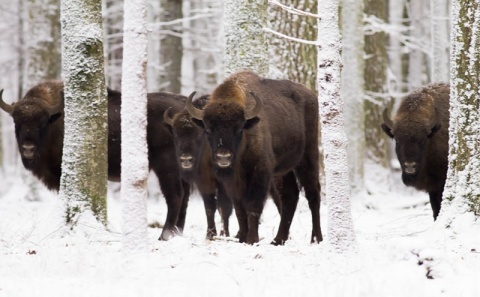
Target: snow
{"type": "Point", "coordinates": [401, 252]}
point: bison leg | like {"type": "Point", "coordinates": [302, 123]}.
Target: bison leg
{"type": "Point", "coordinates": [435, 202]}
{"type": "Point", "coordinates": [172, 189]}
{"type": "Point", "coordinates": [183, 209]}
{"type": "Point", "coordinates": [289, 199]}
{"type": "Point", "coordinates": [254, 203]}
{"type": "Point", "coordinates": [210, 208]}
{"type": "Point", "coordinates": [225, 208]}
{"type": "Point", "coordinates": [308, 175]}
{"type": "Point", "coordinates": [242, 220]}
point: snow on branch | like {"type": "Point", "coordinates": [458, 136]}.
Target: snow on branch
{"type": "Point", "coordinates": [180, 21]}
{"type": "Point", "coordinates": [304, 41]}
{"type": "Point", "coordinates": [373, 24]}
{"type": "Point", "coordinates": [292, 10]}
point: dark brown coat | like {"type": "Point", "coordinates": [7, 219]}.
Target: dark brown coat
{"type": "Point", "coordinates": [261, 129]}
{"type": "Point", "coordinates": [195, 162]}
{"type": "Point", "coordinates": [420, 130]}
{"type": "Point", "coordinates": [39, 129]}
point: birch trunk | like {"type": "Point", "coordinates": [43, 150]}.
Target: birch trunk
{"type": "Point", "coordinates": [440, 41]}
{"type": "Point", "coordinates": [340, 226]}
{"type": "Point", "coordinates": [134, 126]}
{"type": "Point", "coordinates": [83, 184]}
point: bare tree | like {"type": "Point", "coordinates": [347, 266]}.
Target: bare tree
{"type": "Point", "coordinates": [134, 126]}
{"type": "Point", "coordinates": [83, 184]}
{"type": "Point", "coordinates": [340, 227]}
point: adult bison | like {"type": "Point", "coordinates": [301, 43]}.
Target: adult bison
{"type": "Point", "coordinates": [39, 129]}
{"type": "Point", "coordinates": [260, 129]}
{"type": "Point", "coordinates": [420, 130]}
{"type": "Point", "coordinates": [194, 159]}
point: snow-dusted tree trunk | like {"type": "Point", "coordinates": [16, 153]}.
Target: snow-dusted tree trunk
{"type": "Point", "coordinates": [171, 49]}
{"type": "Point", "coordinates": [440, 40]}
{"type": "Point", "coordinates": [462, 191]}
{"type": "Point", "coordinates": [245, 41]}
{"type": "Point", "coordinates": [396, 79]}
{"type": "Point", "coordinates": [353, 88]}
{"type": "Point", "coordinates": [340, 226]}
{"type": "Point", "coordinates": [301, 69]}
{"type": "Point", "coordinates": [83, 183]}
{"type": "Point", "coordinates": [134, 127]}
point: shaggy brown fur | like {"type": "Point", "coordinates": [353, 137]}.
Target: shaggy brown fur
{"type": "Point", "coordinates": [420, 129]}
{"type": "Point", "coordinates": [41, 132]}
{"type": "Point", "coordinates": [280, 140]}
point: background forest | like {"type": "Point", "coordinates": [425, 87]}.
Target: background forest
{"type": "Point", "coordinates": [389, 48]}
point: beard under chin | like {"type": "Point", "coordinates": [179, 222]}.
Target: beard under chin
{"type": "Point", "coordinates": [409, 179]}
{"type": "Point", "coordinates": [28, 163]}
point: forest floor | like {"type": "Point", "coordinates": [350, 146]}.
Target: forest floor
{"type": "Point", "coordinates": [401, 252]}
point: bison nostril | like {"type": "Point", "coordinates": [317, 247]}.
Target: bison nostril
{"type": "Point", "coordinates": [224, 155]}
{"type": "Point", "coordinates": [410, 167]}
{"type": "Point", "coordinates": [185, 158]}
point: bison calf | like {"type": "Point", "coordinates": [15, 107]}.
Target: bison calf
{"type": "Point", "coordinates": [420, 130]}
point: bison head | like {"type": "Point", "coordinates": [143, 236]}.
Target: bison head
{"type": "Point", "coordinates": [32, 118]}
{"type": "Point", "coordinates": [188, 141]}
{"type": "Point", "coordinates": [412, 135]}
{"type": "Point", "coordinates": [224, 123]}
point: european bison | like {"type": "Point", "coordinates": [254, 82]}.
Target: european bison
{"type": "Point", "coordinates": [276, 138]}
{"type": "Point", "coordinates": [194, 158]}
{"type": "Point", "coordinates": [420, 130]}
{"type": "Point", "coordinates": [39, 129]}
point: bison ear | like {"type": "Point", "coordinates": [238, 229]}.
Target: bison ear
{"type": "Point", "coordinates": [434, 129]}
{"type": "Point", "coordinates": [198, 122]}
{"type": "Point", "coordinates": [54, 117]}
{"type": "Point", "coordinates": [387, 130]}
{"type": "Point", "coordinates": [250, 123]}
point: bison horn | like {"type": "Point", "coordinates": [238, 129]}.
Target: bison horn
{"type": "Point", "coordinates": [192, 110]}
{"type": "Point", "coordinates": [167, 117]}
{"type": "Point", "coordinates": [386, 119]}
{"type": "Point", "coordinates": [5, 106]}
{"type": "Point", "coordinates": [251, 113]}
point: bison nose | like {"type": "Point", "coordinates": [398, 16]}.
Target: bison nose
{"type": "Point", "coordinates": [410, 167]}
{"type": "Point", "coordinates": [224, 159]}
{"type": "Point", "coordinates": [28, 151]}
{"type": "Point", "coordinates": [186, 161]}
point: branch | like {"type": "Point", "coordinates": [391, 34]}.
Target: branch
{"type": "Point", "coordinates": [304, 41]}
{"type": "Point", "coordinates": [293, 10]}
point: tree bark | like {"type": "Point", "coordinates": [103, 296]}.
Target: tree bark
{"type": "Point", "coordinates": [341, 236]}
{"type": "Point", "coordinates": [84, 165]}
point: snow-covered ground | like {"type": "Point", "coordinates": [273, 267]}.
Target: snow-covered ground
{"type": "Point", "coordinates": [401, 252]}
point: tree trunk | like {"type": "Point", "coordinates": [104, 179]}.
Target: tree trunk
{"type": "Point", "coordinates": [416, 60]}
{"type": "Point", "coordinates": [113, 46]}
{"type": "Point", "coordinates": [84, 165]}
{"type": "Point", "coordinates": [353, 88]}
{"type": "Point", "coordinates": [462, 194]}
{"type": "Point", "coordinates": [375, 74]}
{"type": "Point", "coordinates": [340, 226]}
{"type": "Point", "coordinates": [245, 41]}
{"type": "Point", "coordinates": [134, 127]}
{"type": "Point", "coordinates": [171, 49]}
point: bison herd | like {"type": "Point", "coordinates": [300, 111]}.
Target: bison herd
{"type": "Point", "coordinates": [250, 138]}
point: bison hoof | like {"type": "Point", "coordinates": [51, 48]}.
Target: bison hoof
{"type": "Point", "coordinates": [225, 233]}
{"type": "Point", "coordinates": [168, 233]}
{"type": "Point", "coordinates": [277, 242]}
{"type": "Point", "coordinates": [211, 233]}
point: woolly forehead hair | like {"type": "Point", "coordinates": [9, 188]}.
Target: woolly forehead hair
{"type": "Point", "coordinates": [230, 90]}
{"type": "Point", "coordinates": [418, 105]}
